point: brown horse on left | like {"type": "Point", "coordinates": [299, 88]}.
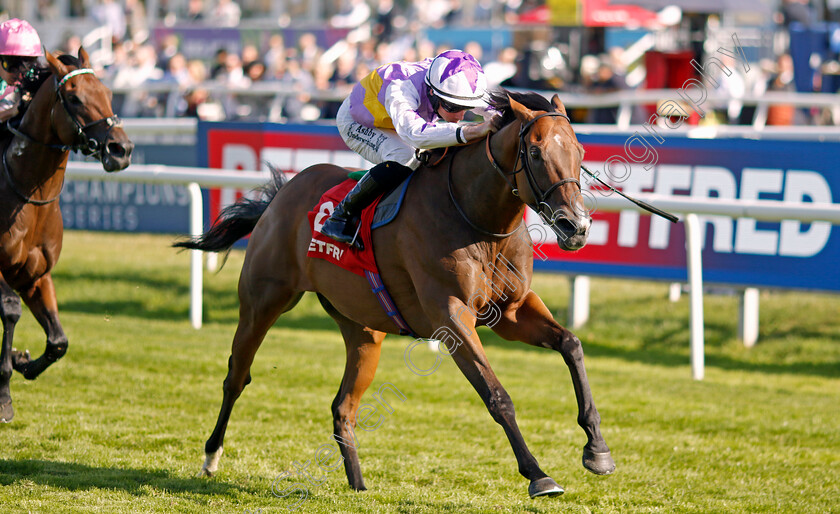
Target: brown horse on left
{"type": "Point", "coordinates": [70, 109]}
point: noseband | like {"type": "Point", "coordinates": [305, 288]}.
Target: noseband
{"type": "Point", "coordinates": [87, 145]}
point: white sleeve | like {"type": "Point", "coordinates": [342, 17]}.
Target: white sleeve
{"type": "Point", "coordinates": [401, 102]}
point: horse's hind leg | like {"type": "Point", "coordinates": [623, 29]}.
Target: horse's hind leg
{"type": "Point", "coordinates": [532, 323]}
{"type": "Point", "coordinates": [260, 304]}
{"type": "Point", "coordinates": [42, 302]}
{"type": "Point", "coordinates": [10, 312]}
{"type": "Point", "coordinates": [363, 347]}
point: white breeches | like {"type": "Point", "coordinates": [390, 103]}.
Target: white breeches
{"type": "Point", "coordinates": [374, 144]}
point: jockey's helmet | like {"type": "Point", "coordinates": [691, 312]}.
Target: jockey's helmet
{"type": "Point", "coordinates": [457, 78]}
{"type": "Point", "coordinates": [17, 37]}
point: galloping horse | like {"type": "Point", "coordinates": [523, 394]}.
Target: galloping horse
{"type": "Point", "coordinates": [448, 259]}
{"type": "Point", "coordinates": [70, 109]}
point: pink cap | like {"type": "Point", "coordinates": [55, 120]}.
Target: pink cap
{"type": "Point", "coordinates": [17, 37]}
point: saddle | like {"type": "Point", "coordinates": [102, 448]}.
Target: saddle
{"type": "Point", "coordinates": [363, 263]}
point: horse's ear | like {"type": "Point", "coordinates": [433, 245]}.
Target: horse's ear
{"type": "Point", "coordinates": [83, 57]}
{"type": "Point", "coordinates": [57, 67]}
{"type": "Point", "coordinates": [558, 104]}
{"type": "Point", "coordinates": [523, 113]}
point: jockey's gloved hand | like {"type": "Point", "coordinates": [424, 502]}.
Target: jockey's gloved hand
{"type": "Point", "coordinates": [479, 130]}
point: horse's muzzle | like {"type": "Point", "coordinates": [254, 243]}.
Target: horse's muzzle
{"type": "Point", "coordinates": [571, 233]}
{"type": "Point", "coordinates": [116, 155]}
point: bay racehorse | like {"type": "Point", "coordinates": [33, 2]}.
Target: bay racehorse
{"type": "Point", "coordinates": [457, 250]}
{"type": "Point", "coordinates": [69, 109]}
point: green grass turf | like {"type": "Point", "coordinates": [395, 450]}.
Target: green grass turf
{"type": "Point", "coordinates": [119, 424]}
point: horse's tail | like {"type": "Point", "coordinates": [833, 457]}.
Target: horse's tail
{"type": "Point", "coordinates": [237, 220]}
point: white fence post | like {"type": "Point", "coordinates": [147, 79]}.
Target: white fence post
{"type": "Point", "coordinates": [196, 271]}
{"type": "Point", "coordinates": [578, 301]}
{"type": "Point", "coordinates": [748, 317]}
{"type": "Point", "coordinates": [695, 279]}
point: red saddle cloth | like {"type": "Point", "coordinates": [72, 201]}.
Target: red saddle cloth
{"type": "Point", "coordinates": [340, 254]}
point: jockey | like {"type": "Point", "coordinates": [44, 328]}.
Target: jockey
{"type": "Point", "coordinates": [20, 48]}
{"type": "Point", "coordinates": [398, 108]}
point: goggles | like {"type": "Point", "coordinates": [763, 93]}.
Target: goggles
{"type": "Point", "coordinates": [451, 108]}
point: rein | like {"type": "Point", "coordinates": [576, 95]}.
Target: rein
{"type": "Point", "coordinates": [542, 195]}
{"type": "Point", "coordinates": [464, 215]}
{"type": "Point", "coordinates": [8, 174]}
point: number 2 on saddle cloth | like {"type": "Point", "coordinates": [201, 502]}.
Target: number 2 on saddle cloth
{"type": "Point", "coordinates": [362, 263]}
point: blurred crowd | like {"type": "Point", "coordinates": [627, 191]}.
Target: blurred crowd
{"type": "Point", "coordinates": [154, 77]}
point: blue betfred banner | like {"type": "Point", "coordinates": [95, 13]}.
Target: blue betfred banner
{"type": "Point", "coordinates": [130, 207]}
{"type": "Point", "coordinates": [786, 254]}
{"type": "Point", "coordinates": [739, 252]}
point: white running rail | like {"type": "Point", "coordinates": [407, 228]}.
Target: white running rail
{"type": "Point", "coordinates": [689, 207]}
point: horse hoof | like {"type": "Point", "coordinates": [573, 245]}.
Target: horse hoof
{"type": "Point", "coordinates": [545, 486]}
{"type": "Point", "coordinates": [21, 362]}
{"type": "Point", "coordinates": [7, 412]}
{"type": "Point", "coordinates": [600, 463]}
{"type": "Point", "coordinates": [211, 463]}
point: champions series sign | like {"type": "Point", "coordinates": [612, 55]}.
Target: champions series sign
{"type": "Point", "coordinates": [788, 254]}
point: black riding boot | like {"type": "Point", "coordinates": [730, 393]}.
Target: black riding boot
{"type": "Point", "coordinates": [383, 177]}
{"type": "Point", "coordinates": [341, 224]}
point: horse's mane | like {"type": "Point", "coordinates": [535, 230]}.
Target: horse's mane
{"type": "Point", "coordinates": [500, 101]}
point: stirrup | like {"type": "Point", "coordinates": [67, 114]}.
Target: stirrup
{"type": "Point", "coordinates": [356, 242]}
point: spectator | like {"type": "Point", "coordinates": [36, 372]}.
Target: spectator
{"type": "Point", "coordinates": [226, 14]}
{"type": "Point", "coordinates": [109, 14]}
{"type": "Point", "coordinates": [140, 69]}
{"type": "Point", "coordinates": [289, 75]}
{"type": "Point", "coordinates": [194, 12]}
{"type": "Point", "coordinates": [177, 71]}
{"type": "Point", "coordinates": [356, 16]}
{"type": "Point", "coordinates": [503, 68]}
{"type": "Point", "coordinates": [250, 54]}
{"type": "Point", "coordinates": [605, 82]}
{"type": "Point", "coordinates": [782, 114]}
{"type": "Point", "coordinates": [732, 86]}
{"type": "Point", "coordinates": [276, 50]}
{"type": "Point", "coordinates": [136, 24]}
{"type": "Point", "coordinates": [383, 27]}
{"type": "Point", "coordinates": [796, 11]}
{"type": "Point", "coordinates": [71, 44]}
{"type": "Point", "coordinates": [253, 107]}
{"type": "Point", "coordinates": [169, 47]}
{"type": "Point", "coordinates": [308, 52]}
{"type": "Point", "coordinates": [219, 63]}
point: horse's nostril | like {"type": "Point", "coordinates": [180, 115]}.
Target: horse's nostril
{"type": "Point", "coordinates": [566, 225]}
{"type": "Point", "coordinates": [117, 150]}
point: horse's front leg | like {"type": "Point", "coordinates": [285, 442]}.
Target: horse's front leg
{"type": "Point", "coordinates": [10, 312]}
{"type": "Point", "coordinates": [462, 342]}
{"type": "Point", "coordinates": [41, 301]}
{"type": "Point", "coordinates": [532, 323]}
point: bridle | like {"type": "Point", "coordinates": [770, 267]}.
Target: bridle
{"type": "Point", "coordinates": [88, 146]}
{"type": "Point", "coordinates": [522, 157]}
{"type": "Point", "coordinates": [539, 195]}
{"type": "Point", "coordinates": [85, 144]}
{"type": "Point", "coordinates": [540, 205]}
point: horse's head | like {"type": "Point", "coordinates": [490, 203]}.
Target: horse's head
{"type": "Point", "coordinates": [549, 168]}
{"type": "Point", "coordinates": [82, 116]}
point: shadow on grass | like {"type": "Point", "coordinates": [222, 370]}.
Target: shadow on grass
{"type": "Point", "coordinates": [663, 350]}
{"type": "Point", "coordinates": [74, 477]}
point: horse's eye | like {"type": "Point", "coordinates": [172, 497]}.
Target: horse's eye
{"type": "Point", "coordinates": [535, 152]}
{"type": "Point", "coordinates": [74, 100]}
